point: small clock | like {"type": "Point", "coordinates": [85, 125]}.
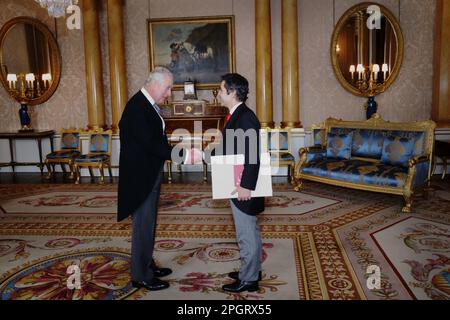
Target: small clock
{"type": "Point", "coordinates": [189, 90]}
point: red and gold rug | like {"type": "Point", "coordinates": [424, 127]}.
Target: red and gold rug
{"type": "Point", "coordinates": [317, 244]}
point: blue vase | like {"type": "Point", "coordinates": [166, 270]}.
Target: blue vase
{"type": "Point", "coordinates": [24, 116]}
{"type": "Point", "coordinates": [371, 107]}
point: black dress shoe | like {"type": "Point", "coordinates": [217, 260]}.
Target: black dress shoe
{"type": "Point", "coordinates": [161, 272]}
{"type": "Point", "coordinates": [239, 286]}
{"type": "Point", "coordinates": [154, 285]}
{"type": "Point", "coordinates": [235, 275]}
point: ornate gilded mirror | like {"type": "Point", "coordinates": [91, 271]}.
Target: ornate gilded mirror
{"type": "Point", "coordinates": [367, 49]}
{"type": "Point", "coordinates": [30, 60]}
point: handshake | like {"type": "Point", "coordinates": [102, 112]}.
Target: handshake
{"type": "Point", "coordinates": [194, 156]}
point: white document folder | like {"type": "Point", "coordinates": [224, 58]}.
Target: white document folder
{"type": "Point", "coordinates": [226, 172]}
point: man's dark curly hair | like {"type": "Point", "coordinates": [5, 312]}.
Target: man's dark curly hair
{"type": "Point", "coordinates": [236, 82]}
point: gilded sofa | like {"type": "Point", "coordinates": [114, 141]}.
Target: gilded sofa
{"type": "Point", "coordinates": [373, 155]}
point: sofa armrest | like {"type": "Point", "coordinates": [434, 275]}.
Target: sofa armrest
{"type": "Point", "coordinates": [306, 155]}
{"type": "Point", "coordinates": [418, 172]}
{"type": "Point", "coordinates": [314, 149]}
{"type": "Point", "coordinates": [416, 160]}
{"type": "Point", "coordinates": [312, 153]}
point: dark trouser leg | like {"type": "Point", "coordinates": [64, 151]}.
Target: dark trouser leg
{"type": "Point", "coordinates": [143, 237]}
{"type": "Point", "coordinates": [155, 208]}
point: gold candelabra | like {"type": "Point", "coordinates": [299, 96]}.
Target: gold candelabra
{"type": "Point", "coordinates": [19, 92]}
{"type": "Point", "coordinates": [25, 87]}
{"type": "Point", "coordinates": [370, 81]}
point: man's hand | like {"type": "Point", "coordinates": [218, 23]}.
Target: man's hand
{"type": "Point", "coordinates": [243, 194]}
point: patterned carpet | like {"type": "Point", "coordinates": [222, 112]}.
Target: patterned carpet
{"type": "Point", "coordinates": [317, 244]}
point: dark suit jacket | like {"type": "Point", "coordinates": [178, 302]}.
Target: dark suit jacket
{"type": "Point", "coordinates": [143, 150]}
{"type": "Point", "coordinates": [244, 118]}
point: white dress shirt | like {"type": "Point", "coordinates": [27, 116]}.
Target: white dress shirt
{"type": "Point", "coordinates": [235, 107]}
{"type": "Point", "coordinates": [188, 155]}
{"type": "Point", "coordinates": [153, 103]}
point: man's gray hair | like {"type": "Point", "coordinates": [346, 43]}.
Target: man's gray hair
{"type": "Point", "coordinates": [158, 74]}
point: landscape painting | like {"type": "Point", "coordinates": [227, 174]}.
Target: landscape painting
{"type": "Point", "coordinates": [197, 49]}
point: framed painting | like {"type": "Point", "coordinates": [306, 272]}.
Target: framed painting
{"type": "Point", "coordinates": [199, 49]}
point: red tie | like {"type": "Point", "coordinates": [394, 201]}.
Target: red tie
{"type": "Point", "coordinates": [227, 118]}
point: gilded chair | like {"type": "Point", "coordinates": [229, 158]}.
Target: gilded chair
{"type": "Point", "coordinates": [69, 150]}
{"type": "Point", "coordinates": [279, 146]}
{"type": "Point", "coordinates": [99, 155]}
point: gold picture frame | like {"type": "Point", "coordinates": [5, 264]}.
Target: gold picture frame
{"type": "Point", "coordinates": [48, 54]}
{"type": "Point", "coordinates": [201, 48]}
{"type": "Point", "coordinates": [356, 13]}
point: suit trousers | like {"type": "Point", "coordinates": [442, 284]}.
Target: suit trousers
{"type": "Point", "coordinates": [250, 245]}
{"type": "Point", "coordinates": [143, 235]}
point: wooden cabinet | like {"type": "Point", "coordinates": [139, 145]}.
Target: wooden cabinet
{"type": "Point", "coordinates": [184, 115]}
{"type": "Point", "coordinates": [193, 117]}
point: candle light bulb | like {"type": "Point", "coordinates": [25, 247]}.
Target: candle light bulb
{"type": "Point", "coordinates": [385, 69]}
{"type": "Point", "coordinates": [12, 79]}
{"type": "Point", "coordinates": [47, 77]}
{"type": "Point", "coordinates": [360, 70]}
{"type": "Point", "coordinates": [29, 77]}
{"type": "Point", "coordinates": [352, 70]}
{"type": "Point", "coordinates": [376, 69]}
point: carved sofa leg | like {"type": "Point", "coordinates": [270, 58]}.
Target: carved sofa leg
{"type": "Point", "coordinates": [299, 185]}
{"type": "Point", "coordinates": [408, 203]}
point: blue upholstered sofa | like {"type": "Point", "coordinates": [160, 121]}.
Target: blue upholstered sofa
{"type": "Point", "coordinates": [373, 155]}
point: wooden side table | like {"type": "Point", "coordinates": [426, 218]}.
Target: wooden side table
{"type": "Point", "coordinates": [192, 116]}
{"type": "Point", "coordinates": [33, 135]}
{"type": "Point", "coordinates": [442, 151]}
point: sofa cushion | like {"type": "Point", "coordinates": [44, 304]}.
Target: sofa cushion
{"type": "Point", "coordinates": [417, 136]}
{"type": "Point", "coordinates": [397, 151]}
{"type": "Point", "coordinates": [319, 135]}
{"type": "Point", "coordinates": [357, 171]}
{"type": "Point", "coordinates": [419, 141]}
{"type": "Point", "coordinates": [367, 143]}
{"type": "Point", "coordinates": [419, 145]}
{"type": "Point", "coordinates": [339, 146]}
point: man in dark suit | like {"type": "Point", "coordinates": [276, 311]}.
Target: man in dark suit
{"type": "Point", "coordinates": [143, 151]}
{"type": "Point", "coordinates": [233, 94]}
